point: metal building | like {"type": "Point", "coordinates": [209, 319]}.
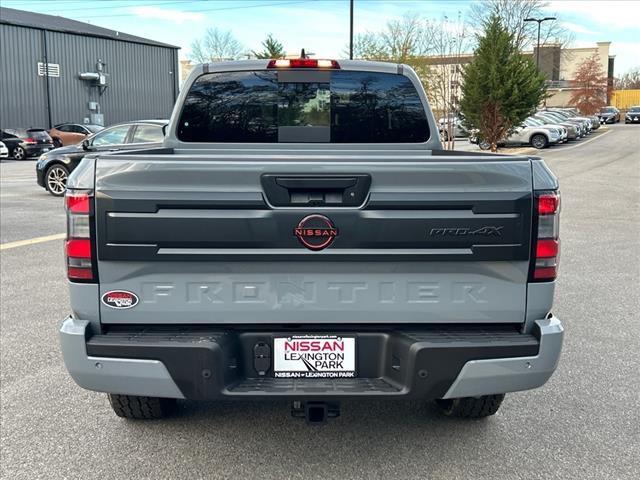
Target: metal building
{"type": "Point", "coordinates": [54, 70]}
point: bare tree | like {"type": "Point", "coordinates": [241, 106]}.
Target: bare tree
{"type": "Point", "coordinates": [369, 46]}
{"type": "Point", "coordinates": [629, 80]}
{"type": "Point", "coordinates": [590, 86]}
{"type": "Point", "coordinates": [402, 41]}
{"type": "Point", "coordinates": [448, 40]}
{"type": "Point", "coordinates": [216, 45]}
{"type": "Point", "coordinates": [512, 14]}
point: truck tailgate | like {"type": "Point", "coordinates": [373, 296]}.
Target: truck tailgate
{"type": "Point", "coordinates": [207, 238]}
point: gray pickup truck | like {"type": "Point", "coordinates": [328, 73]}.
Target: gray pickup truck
{"type": "Point", "coordinates": [302, 235]}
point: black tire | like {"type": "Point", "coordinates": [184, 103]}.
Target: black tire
{"type": "Point", "coordinates": [484, 145]}
{"type": "Point", "coordinates": [55, 179]}
{"type": "Point", "coordinates": [57, 143]}
{"type": "Point", "coordinates": [141, 408]}
{"type": "Point", "coordinates": [539, 141]}
{"type": "Point", "coordinates": [471, 407]}
{"type": "Point", "coordinates": [19, 153]}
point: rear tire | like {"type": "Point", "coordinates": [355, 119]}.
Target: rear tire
{"type": "Point", "coordinates": [539, 141]}
{"type": "Point", "coordinates": [141, 408]}
{"type": "Point", "coordinates": [19, 153]}
{"type": "Point", "coordinates": [57, 143]}
{"type": "Point", "coordinates": [471, 407]}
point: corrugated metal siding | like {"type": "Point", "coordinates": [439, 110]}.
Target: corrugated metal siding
{"type": "Point", "coordinates": [23, 101]}
{"type": "Point", "coordinates": [140, 81]}
{"type": "Point", "coordinates": [623, 99]}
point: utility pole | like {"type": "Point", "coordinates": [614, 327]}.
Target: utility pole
{"type": "Point", "coordinates": [350, 29]}
{"type": "Point", "coordinates": [539, 20]}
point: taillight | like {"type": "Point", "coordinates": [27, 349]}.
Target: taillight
{"type": "Point", "coordinates": [79, 247]}
{"type": "Point", "coordinates": [29, 140]}
{"type": "Point", "coordinates": [547, 241]}
{"type": "Point", "coordinates": [302, 63]}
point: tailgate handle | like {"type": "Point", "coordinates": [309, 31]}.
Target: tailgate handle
{"type": "Point", "coordinates": [316, 190]}
{"type": "Point", "coordinates": [316, 183]}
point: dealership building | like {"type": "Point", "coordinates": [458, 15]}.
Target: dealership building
{"type": "Point", "coordinates": [54, 70]}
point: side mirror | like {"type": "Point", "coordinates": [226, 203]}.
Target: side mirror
{"type": "Point", "coordinates": [86, 145]}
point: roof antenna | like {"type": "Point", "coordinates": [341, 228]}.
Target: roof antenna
{"type": "Point", "coordinates": [302, 54]}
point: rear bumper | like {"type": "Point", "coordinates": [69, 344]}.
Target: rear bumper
{"type": "Point", "coordinates": [214, 363]}
{"type": "Point", "coordinates": [37, 150]}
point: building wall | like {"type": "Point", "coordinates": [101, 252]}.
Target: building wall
{"type": "Point", "coordinates": [571, 58]}
{"type": "Point", "coordinates": [141, 80]}
{"type": "Point", "coordinates": [22, 102]}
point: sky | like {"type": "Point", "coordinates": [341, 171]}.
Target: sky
{"type": "Point", "coordinates": [322, 26]}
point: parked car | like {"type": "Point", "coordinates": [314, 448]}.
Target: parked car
{"type": "Point", "coordinates": [65, 134]}
{"type": "Point", "coordinates": [534, 135]}
{"type": "Point", "coordinates": [633, 115]}
{"type": "Point", "coordinates": [280, 251]}
{"type": "Point", "coordinates": [4, 151]}
{"type": "Point", "coordinates": [589, 123]}
{"type": "Point", "coordinates": [609, 115]}
{"type": "Point", "coordinates": [595, 120]}
{"type": "Point", "coordinates": [453, 125]}
{"type": "Point", "coordinates": [53, 168]}
{"type": "Point", "coordinates": [555, 117]}
{"type": "Point", "coordinates": [26, 142]}
{"type": "Point", "coordinates": [531, 122]}
{"type": "Point", "coordinates": [571, 129]}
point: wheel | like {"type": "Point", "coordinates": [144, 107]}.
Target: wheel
{"type": "Point", "coordinates": [56, 179]}
{"type": "Point", "coordinates": [539, 141]}
{"type": "Point", "coordinates": [471, 407]}
{"type": "Point", "coordinates": [57, 143]}
{"type": "Point", "coordinates": [484, 145]}
{"type": "Point", "coordinates": [19, 153]}
{"type": "Point", "coordinates": [141, 408]}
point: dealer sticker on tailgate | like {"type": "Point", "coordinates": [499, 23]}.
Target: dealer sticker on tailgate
{"type": "Point", "coordinates": [314, 356]}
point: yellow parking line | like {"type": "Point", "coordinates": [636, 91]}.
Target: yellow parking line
{"type": "Point", "coordinates": [32, 241]}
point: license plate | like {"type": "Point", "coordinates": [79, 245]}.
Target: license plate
{"type": "Point", "coordinates": [314, 356]}
{"type": "Point", "coordinates": [45, 149]}
{"type": "Point", "coordinates": [635, 119]}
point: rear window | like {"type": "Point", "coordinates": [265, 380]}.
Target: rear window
{"type": "Point", "coordinates": [94, 128]}
{"type": "Point", "coordinates": [38, 134]}
{"type": "Point", "coordinates": [337, 107]}
{"type": "Point", "coordinates": [148, 134]}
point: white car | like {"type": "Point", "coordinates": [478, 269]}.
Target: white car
{"type": "Point", "coordinates": [534, 123]}
{"type": "Point", "coordinates": [4, 151]}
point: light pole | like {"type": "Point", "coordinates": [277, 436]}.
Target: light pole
{"type": "Point", "coordinates": [539, 20]}
{"type": "Point", "coordinates": [350, 29]}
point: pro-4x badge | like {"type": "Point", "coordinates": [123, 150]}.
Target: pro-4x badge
{"type": "Point", "coordinates": [488, 231]}
{"type": "Point", "coordinates": [120, 299]}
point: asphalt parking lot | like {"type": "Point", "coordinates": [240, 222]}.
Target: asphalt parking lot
{"type": "Point", "coordinates": [585, 423]}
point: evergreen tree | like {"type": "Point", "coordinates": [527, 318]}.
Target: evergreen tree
{"type": "Point", "coordinates": [272, 48]}
{"type": "Point", "coordinates": [500, 87]}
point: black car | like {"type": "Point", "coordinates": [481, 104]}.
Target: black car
{"type": "Point", "coordinates": [53, 168]}
{"type": "Point", "coordinates": [633, 115]}
{"type": "Point", "coordinates": [26, 142]}
{"type": "Point", "coordinates": [609, 115]}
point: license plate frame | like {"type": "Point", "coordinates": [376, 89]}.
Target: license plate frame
{"type": "Point", "coordinates": [315, 356]}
